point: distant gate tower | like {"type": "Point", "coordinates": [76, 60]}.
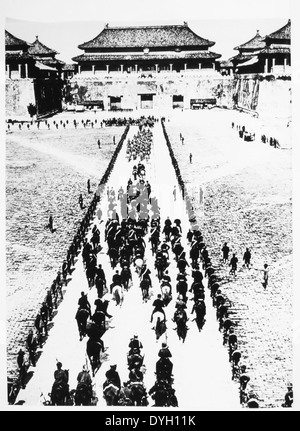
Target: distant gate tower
{"type": "Point", "coordinates": [146, 49]}
{"type": "Point", "coordinates": [138, 53]}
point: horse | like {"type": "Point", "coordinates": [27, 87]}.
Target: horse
{"type": "Point", "coordinates": [99, 319]}
{"type": "Point", "coordinates": [82, 316]}
{"type": "Point", "coordinates": [163, 369]}
{"type": "Point", "coordinates": [113, 256]}
{"type": "Point", "coordinates": [166, 293]}
{"type": "Point", "coordinates": [111, 394]}
{"type": "Point", "coordinates": [94, 331]}
{"type": "Point", "coordinates": [154, 239]}
{"type": "Point", "coordinates": [164, 397]}
{"type": "Point", "coordinates": [100, 284]}
{"type": "Point", "coordinates": [160, 264]}
{"type": "Point", "coordinates": [126, 277]}
{"type": "Point", "coordinates": [83, 394]}
{"type": "Point", "coordinates": [91, 270]}
{"type": "Point", "coordinates": [138, 263]}
{"type": "Point", "coordinates": [145, 286]}
{"type": "Point", "coordinates": [133, 359]}
{"type": "Point", "coordinates": [118, 294]}
{"type": "Point", "coordinates": [177, 250]}
{"type": "Point", "coordinates": [181, 327]}
{"type": "Point", "coordinates": [194, 255]}
{"type": "Point", "coordinates": [200, 316]}
{"type": "Point", "coordinates": [138, 394]}
{"type": "Point", "coordinates": [93, 350]}
{"type": "Point", "coordinates": [124, 396]}
{"type": "Point", "coordinates": [59, 393]}
{"type": "Point", "coordinates": [160, 327]}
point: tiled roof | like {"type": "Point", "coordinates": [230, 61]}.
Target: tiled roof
{"type": "Point", "coordinates": [256, 42]}
{"type": "Point", "coordinates": [38, 48]}
{"type": "Point", "coordinates": [275, 50]}
{"type": "Point", "coordinates": [241, 57]}
{"type": "Point", "coordinates": [11, 40]}
{"type": "Point", "coordinates": [18, 56]}
{"type": "Point", "coordinates": [49, 61]}
{"type": "Point", "coordinates": [283, 33]}
{"type": "Point", "coordinates": [146, 37]}
{"type": "Point", "coordinates": [69, 67]}
{"type": "Point", "coordinates": [120, 58]}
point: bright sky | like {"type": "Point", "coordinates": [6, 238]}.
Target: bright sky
{"type": "Point", "coordinates": [62, 25]}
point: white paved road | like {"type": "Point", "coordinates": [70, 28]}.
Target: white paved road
{"type": "Point", "coordinates": [202, 373]}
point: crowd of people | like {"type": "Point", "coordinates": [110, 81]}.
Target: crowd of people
{"type": "Point", "coordinates": [128, 223]}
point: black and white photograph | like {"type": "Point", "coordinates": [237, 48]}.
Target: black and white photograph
{"type": "Point", "coordinates": [149, 208]}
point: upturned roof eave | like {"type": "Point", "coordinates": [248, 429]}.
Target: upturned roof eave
{"type": "Point", "coordinates": [11, 40]}
{"type": "Point", "coordinates": [38, 48]}
{"type": "Point", "coordinates": [281, 33]}
{"type": "Point", "coordinates": [94, 43]}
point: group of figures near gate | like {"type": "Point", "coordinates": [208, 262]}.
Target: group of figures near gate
{"type": "Point", "coordinates": [250, 136]}
{"type": "Point", "coordinates": [85, 123]}
{"type": "Point", "coordinates": [142, 121]}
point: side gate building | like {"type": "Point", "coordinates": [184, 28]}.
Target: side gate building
{"type": "Point", "coordinates": [32, 78]}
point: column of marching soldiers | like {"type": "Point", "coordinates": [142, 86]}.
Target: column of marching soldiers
{"type": "Point", "coordinates": [126, 247]}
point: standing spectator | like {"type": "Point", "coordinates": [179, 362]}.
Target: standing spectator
{"type": "Point", "coordinates": [244, 377]}
{"type": "Point", "coordinates": [89, 186]}
{"type": "Point", "coordinates": [247, 257]}
{"type": "Point", "coordinates": [225, 250]}
{"type": "Point", "coordinates": [64, 271]}
{"type": "Point", "coordinates": [289, 396]}
{"type": "Point", "coordinates": [99, 144]}
{"type": "Point", "coordinates": [58, 283]}
{"type": "Point", "coordinates": [191, 157]}
{"type": "Point", "coordinates": [174, 192]}
{"type": "Point", "coordinates": [37, 324]}
{"type": "Point", "coordinates": [80, 200]}
{"type": "Point", "coordinates": [50, 224]}
{"type": "Point", "coordinates": [22, 367]}
{"type": "Point", "coordinates": [265, 275]}
{"type": "Point", "coordinates": [45, 317]}
{"type": "Point", "coordinates": [265, 271]}
{"type": "Point", "coordinates": [32, 344]}
{"type": "Point", "coordinates": [233, 264]}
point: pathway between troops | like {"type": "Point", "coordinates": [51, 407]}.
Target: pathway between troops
{"type": "Point", "coordinates": [202, 371]}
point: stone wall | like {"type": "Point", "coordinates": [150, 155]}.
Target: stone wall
{"type": "Point", "coordinates": [254, 93]}
{"type": "Point", "coordinates": [265, 95]}
{"type": "Point", "coordinates": [162, 87]}
{"type": "Point", "coordinates": [275, 96]}
{"type": "Point", "coordinates": [260, 94]}
{"type": "Point", "coordinates": [19, 93]}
